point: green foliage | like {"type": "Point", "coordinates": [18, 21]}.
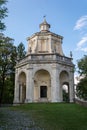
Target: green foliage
{"type": "Point", "coordinates": [8, 58]}
{"type": "Point", "coordinates": [8, 93]}
{"type": "Point", "coordinates": [81, 89]}
{"type": "Point", "coordinates": [21, 51]}
{"type": "Point", "coordinates": [6, 55]}
{"type": "Point", "coordinates": [3, 14]}
{"type": "Point", "coordinates": [82, 65]}
{"type": "Point", "coordinates": [65, 96]}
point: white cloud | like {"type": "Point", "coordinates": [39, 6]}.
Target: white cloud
{"type": "Point", "coordinates": [84, 49]}
{"type": "Point", "coordinates": [82, 41]}
{"type": "Point", "coordinates": [82, 44]}
{"type": "Point", "coordinates": [82, 22]}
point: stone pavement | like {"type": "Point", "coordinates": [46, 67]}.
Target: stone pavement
{"type": "Point", "coordinates": [16, 120]}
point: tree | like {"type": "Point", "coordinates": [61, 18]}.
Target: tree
{"type": "Point", "coordinates": [3, 14]}
{"type": "Point", "coordinates": [65, 96]}
{"type": "Point", "coordinates": [8, 59]}
{"type": "Point", "coordinates": [82, 65]}
{"type": "Point", "coordinates": [81, 89]}
{"type": "Point", "coordinates": [21, 51]}
{"type": "Point", "coordinates": [7, 62]}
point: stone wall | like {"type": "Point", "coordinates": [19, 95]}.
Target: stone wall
{"type": "Point", "coordinates": [81, 102]}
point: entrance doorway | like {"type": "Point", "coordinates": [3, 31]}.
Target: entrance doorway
{"type": "Point", "coordinates": [42, 86]}
{"type": "Point", "coordinates": [43, 91]}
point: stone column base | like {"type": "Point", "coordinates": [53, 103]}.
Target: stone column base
{"type": "Point", "coordinates": [28, 101]}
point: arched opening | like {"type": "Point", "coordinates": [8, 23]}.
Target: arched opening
{"type": "Point", "coordinates": [64, 86]}
{"type": "Point", "coordinates": [42, 86]}
{"type": "Point", "coordinates": [22, 87]}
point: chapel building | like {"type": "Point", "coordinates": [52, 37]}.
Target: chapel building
{"type": "Point", "coordinates": [45, 72]}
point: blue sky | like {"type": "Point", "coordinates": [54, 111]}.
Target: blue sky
{"type": "Point", "coordinates": [66, 17]}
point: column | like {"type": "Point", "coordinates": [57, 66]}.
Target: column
{"type": "Point", "coordinates": [29, 86]}
{"type": "Point", "coordinates": [71, 87]}
{"type": "Point", "coordinates": [21, 93]}
{"type": "Point", "coordinates": [16, 90]}
{"type": "Point", "coordinates": [55, 96]}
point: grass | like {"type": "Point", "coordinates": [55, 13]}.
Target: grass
{"type": "Point", "coordinates": [57, 116]}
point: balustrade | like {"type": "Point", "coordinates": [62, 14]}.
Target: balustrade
{"type": "Point", "coordinates": [45, 57]}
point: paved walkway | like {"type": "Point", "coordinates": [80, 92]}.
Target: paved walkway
{"type": "Point", "coordinates": [16, 120]}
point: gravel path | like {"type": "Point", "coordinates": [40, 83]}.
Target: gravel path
{"type": "Point", "coordinates": [16, 120]}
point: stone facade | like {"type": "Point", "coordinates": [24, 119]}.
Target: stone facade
{"type": "Point", "coordinates": [41, 75]}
